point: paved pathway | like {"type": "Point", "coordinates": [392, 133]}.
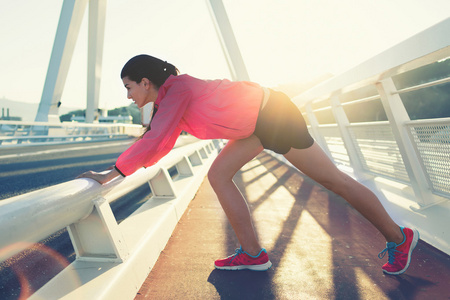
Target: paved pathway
{"type": "Point", "coordinates": [320, 247]}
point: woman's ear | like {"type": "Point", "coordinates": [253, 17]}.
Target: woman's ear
{"type": "Point", "coordinates": [146, 82]}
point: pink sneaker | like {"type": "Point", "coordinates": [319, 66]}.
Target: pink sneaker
{"type": "Point", "coordinates": [242, 260]}
{"type": "Point", "coordinates": [400, 255]}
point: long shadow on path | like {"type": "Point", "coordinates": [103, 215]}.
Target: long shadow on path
{"type": "Point", "coordinates": [320, 247]}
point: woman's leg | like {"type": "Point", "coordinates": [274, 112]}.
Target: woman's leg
{"type": "Point", "coordinates": [229, 161]}
{"type": "Point", "coordinates": [314, 163]}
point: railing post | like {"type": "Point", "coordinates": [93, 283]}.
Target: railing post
{"type": "Point", "coordinates": [184, 167]}
{"type": "Point", "coordinates": [195, 158]}
{"type": "Point", "coordinates": [315, 130]}
{"type": "Point", "coordinates": [349, 143]}
{"type": "Point", "coordinates": [203, 153]}
{"type": "Point", "coordinates": [397, 116]}
{"type": "Point", "coordinates": [208, 148]}
{"type": "Point", "coordinates": [98, 237]}
{"type": "Point", "coordinates": [161, 185]}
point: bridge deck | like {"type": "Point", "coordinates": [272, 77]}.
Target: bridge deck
{"type": "Point", "coordinates": [320, 247]}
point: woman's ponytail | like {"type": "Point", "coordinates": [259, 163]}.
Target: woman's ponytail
{"type": "Point", "coordinates": [146, 66]}
{"type": "Point", "coordinates": [170, 69]}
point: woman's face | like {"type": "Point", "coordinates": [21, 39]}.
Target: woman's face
{"type": "Point", "coordinates": [141, 93]}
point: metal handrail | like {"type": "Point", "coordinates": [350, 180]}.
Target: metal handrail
{"type": "Point", "coordinates": [422, 86]}
{"type": "Point", "coordinates": [25, 219]}
{"type": "Point", "coordinates": [67, 124]}
{"type": "Point", "coordinates": [428, 46]}
{"type": "Point", "coordinates": [18, 133]}
{"type": "Point", "coordinates": [410, 143]}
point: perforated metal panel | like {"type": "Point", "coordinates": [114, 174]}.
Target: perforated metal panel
{"type": "Point", "coordinates": [378, 150]}
{"type": "Point", "coordinates": [432, 143]}
{"type": "Point", "coordinates": [335, 144]}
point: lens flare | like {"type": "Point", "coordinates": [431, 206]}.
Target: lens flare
{"type": "Point", "coordinates": [35, 261]}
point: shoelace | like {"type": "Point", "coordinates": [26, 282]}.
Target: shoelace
{"type": "Point", "coordinates": [391, 248]}
{"type": "Point", "coordinates": [237, 252]}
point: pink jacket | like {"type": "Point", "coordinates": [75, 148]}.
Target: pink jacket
{"type": "Point", "coordinates": [207, 109]}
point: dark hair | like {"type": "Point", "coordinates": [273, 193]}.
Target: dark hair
{"type": "Point", "coordinates": [146, 66]}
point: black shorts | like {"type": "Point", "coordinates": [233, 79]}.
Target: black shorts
{"type": "Point", "coordinates": [280, 125]}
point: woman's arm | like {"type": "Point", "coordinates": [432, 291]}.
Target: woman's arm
{"type": "Point", "coordinates": [101, 177]}
{"type": "Point", "coordinates": [158, 141]}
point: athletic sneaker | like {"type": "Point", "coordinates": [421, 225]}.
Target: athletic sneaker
{"type": "Point", "coordinates": [400, 255]}
{"type": "Point", "coordinates": [242, 260]}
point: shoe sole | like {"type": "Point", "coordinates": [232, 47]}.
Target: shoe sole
{"type": "Point", "coordinates": [416, 237]}
{"type": "Point", "coordinates": [262, 267]}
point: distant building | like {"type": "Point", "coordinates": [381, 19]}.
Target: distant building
{"type": "Point", "coordinates": [8, 117]}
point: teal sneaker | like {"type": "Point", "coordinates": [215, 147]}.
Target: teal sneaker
{"type": "Point", "coordinates": [242, 260]}
{"type": "Point", "coordinates": [399, 256]}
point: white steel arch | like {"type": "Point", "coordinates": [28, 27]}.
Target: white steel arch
{"type": "Point", "coordinates": [70, 19]}
{"type": "Point", "coordinates": [227, 40]}
{"type": "Point", "coordinates": [66, 36]}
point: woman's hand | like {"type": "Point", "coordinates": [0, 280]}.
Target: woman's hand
{"type": "Point", "coordinates": [101, 177]}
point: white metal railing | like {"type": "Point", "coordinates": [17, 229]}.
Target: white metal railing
{"type": "Point", "coordinates": [82, 205]}
{"type": "Point", "coordinates": [21, 133]}
{"type": "Point", "coordinates": [416, 152]}
{"type": "Point", "coordinates": [378, 150]}
{"type": "Point", "coordinates": [431, 141]}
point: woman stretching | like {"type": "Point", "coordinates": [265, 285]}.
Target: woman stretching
{"type": "Point", "coordinates": [252, 118]}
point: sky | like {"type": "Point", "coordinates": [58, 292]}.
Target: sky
{"type": "Point", "coordinates": [281, 41]}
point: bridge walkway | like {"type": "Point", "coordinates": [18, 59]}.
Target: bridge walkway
{"type": "Point", "coordinates": [320, 247]}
